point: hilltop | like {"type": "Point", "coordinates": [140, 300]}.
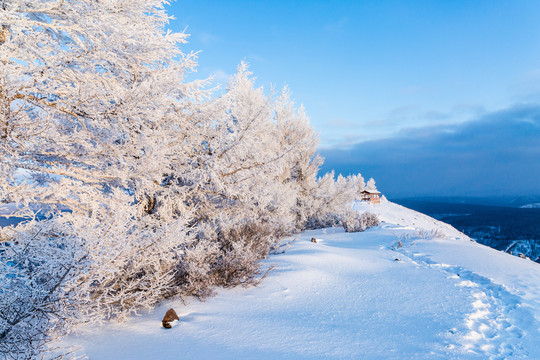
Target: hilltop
{"type": "Point", "coordinates": [412, 287]}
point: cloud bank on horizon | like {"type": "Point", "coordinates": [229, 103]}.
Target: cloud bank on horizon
{"type": "Point", "coordinates": [495, 154]}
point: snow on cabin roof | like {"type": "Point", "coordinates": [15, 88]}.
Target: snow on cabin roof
{"type": "Point", "coordinates": [371, 191]}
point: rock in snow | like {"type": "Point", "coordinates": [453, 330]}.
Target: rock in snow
{"type": "Point", "coordinates": [169, 317]}
{"type": "Point", "coordinates": [347, 298]}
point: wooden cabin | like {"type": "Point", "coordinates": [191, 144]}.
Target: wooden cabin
{"type": "Point", "coordinates": [372, 196]}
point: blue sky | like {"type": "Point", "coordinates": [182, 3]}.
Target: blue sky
{"type": "Point", "coordinates": [396, 76]}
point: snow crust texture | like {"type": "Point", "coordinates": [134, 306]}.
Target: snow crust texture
{"type": "Point", "coordinates": [397, 291]}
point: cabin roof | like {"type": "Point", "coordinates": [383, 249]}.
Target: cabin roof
{"type": "Point", "coordinates": [371, 191]}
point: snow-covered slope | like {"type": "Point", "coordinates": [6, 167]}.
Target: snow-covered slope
{"type": "Point", "coordinates": [391, 292]}
{"type": "Point", "coordinates": [392, 213]}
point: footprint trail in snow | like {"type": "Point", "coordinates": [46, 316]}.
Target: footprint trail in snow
{"type": "Point", "coordinates": [490, 330]}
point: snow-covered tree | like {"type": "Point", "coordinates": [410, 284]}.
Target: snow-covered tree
{"type": "Point", "coordinates": [252, 167]}
{"type": "Point", "coordinates": [89, 95]}
{"type": "Point", "coordinates": [93, 104]}
{"type": "Point", "coordinates": [331, 197]}
{"type": "Point", "coordinates": [361, 184]}
{"type": "Point", "coordinates": [371, 184]}
{"type": "Point", "coordinates": [300, 173]}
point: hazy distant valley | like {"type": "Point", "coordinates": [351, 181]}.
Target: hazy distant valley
{"type": "Point", "coordinates": [510, 225]}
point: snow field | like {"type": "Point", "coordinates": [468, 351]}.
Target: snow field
{"type": "Point", "coordinates": [348, 298]}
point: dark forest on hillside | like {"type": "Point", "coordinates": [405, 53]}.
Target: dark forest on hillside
{"type": "Point", "coordinates": [510, 229]}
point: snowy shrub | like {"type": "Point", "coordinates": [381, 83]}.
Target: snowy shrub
{"type": "Point", "coordinates": [371, 220]}
{"type": "Point", "coordinates": [130, 265]}
{"type": "Point", "coordinates": [353, 221]}
{"type": "Point", "coordinates": [224, 255]}
{"type": "Point", "coordinates": [38, 266]}
{"type": "Point", "coordinates": [57, 278]}
{"type": "Point", "coordinates": [407, 239]}
{"type": "Point", "coordinates": [429, 234]}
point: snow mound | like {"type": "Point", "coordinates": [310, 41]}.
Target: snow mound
{"type": "Point", "coordinates": [392, 213]}
{"type": "Point", "coordinates": [385, 293]}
